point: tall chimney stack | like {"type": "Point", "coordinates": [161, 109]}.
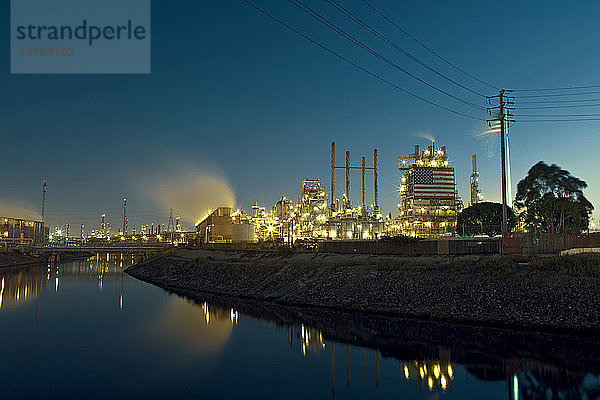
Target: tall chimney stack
{"type": "Point", "coordinates": [332, 177]}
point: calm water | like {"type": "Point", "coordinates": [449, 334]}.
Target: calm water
{"type": "Point", "coordinates": [84, 329]}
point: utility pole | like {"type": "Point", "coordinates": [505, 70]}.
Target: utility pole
{"type": "Point", "coordinates": [503, 156]}
{"type": "Point", "coordinates": [504, 103]}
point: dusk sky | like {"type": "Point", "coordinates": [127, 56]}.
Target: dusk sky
{"type": "Point", "coordinates": [235, 95]}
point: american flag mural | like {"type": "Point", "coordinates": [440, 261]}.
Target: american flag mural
{"type": "Point", "coordinates": [434, 183]}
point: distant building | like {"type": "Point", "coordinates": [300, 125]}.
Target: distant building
{"type": "Point", "coordinates": [216, 227]}
{"type": "Point", "coordinates": [20, 232]}
{"type": "Point", "coordinates": [226, 226]}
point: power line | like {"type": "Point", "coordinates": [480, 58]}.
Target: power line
{"type": "Point", "coordinates": [356, 65]}
{"type": "Point", "coordinates": [307, 10]}
{"type": "Point", "coordinates": [556, 101]}
{"type": "Point", "coordinates": [559, 120]}
{"type": "Point", "coordinates": [558, 88]}
{"type": "Point", "coordinates": [565, 106]}
{"type": "Point", "coordinates": [397, 47]}
{"type": "Point", "coordinates": [427, 47]}
{"type": "Point", "coordinates": [559, 115]}
{"type": "Point", "coordinates": [559, 94]}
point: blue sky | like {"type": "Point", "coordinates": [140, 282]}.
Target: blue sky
{"type": "Point", "coordinates": [233, 93]}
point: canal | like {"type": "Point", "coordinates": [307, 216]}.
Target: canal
{"type": "Point", "coordinates": [85, 329]}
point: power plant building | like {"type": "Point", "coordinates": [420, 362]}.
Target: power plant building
{"type": "Point", "coordinates": [428, 198]}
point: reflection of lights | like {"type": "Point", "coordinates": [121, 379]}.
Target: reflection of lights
{"type": "Point", "coordinates": [233, 315]}
{"type": "Point", "coordinates": [206, 313]}
{"type": "Point", "coordinates": [515, 387]}
{"type": "Point", "coordinates": [121, 302]}
{"type": "Point", "coordinates": [430, 373]}
{"type": "Point", "coordinates": [310, 338]}
{"type": "Point", "coordinates": [1, 292]}
{"type": "Point", "coordinates": [56, 284]}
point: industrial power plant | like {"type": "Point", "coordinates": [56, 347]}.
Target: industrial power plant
{"type": "Point", "coordinates": [428, 207]}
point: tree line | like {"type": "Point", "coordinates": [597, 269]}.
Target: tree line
{"type": "Point", "coordinates": [549, 200]}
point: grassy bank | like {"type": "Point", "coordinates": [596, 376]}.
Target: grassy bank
{"type": "Point", "coordinates": [554, 294]}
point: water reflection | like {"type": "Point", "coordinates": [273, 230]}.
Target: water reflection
{"type": "Point", "coordinates": [191, 330]}
{"type": "Point", "coordinates": [180, 347]}
{"type": "Point", "coordinates": [22, 284]}
{"type": "Point", "coordinates": [572, 374]}
{"type": "Point", "coordinates": [435, 374]}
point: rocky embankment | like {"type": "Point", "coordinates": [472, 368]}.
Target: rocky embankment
{"type": "Point", "coordinates": [10, 258]}
{"type": "Point", "coordinates": [553, 295]}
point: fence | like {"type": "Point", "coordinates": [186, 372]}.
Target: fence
{"type": "Point", "coordinates": [547, 243]}
{"type": "Point", "coordinates": [416, 247]}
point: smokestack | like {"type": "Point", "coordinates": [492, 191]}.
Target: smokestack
{"type": "Point", "coordinates": [81, 231]}
{"type": "Point", "coordinates": [417, 151]}
{"type": "Point", "coordinates": [332, 177]}
{"type": "Point", "coordinates": [43, 204]}
{"type": "Point", "coordinates": [376, 189]}
{"type": "Point", "coordinates": [348, 179]}
{"type": "Point", "coordinates": [364, 205]}
{"type": "Point", "coordinates": [430, 149]}
{"type": "Point", "coordinates": [44, 212]}
{"type": "Point", "coordinates": [124, 216]}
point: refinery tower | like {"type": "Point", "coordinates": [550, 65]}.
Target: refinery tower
{"type": "Point", "coordinates": [428, 198]}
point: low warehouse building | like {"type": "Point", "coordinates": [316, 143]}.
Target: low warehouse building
{"type": "Point", "coordinates": [20, 232]}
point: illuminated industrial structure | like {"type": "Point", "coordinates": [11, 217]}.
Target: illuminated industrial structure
{"type": "Point", "coordinates": [287, 221]}
{"type": "Point", "coordinates": [312, 210]}
{"type": "Point", "coordinates": [429, 202]}
{"type": "Point", "coordinates": [475, 193]}
{"type": "Point", "coordinates": [19, 232]}
{"type": "Point", "coordinates": [216, 226]}
{"type": "Point", "coordinates": [346, 222]}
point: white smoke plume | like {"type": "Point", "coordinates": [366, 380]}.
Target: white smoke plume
{"type": "Point", "coordinates": [191, 192]}
{"type": "Point", "coordinates": [426, 135]}
{"type": "Point", "coordinates": [21, 212]}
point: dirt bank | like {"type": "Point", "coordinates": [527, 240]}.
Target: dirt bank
{"type": "Point", "coordinates": [552, 295]}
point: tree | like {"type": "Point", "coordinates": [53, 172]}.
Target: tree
{"type": "Point", "coordinates": [483, 218]}
{"type": "Point", "coordinates": [550, 200]}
